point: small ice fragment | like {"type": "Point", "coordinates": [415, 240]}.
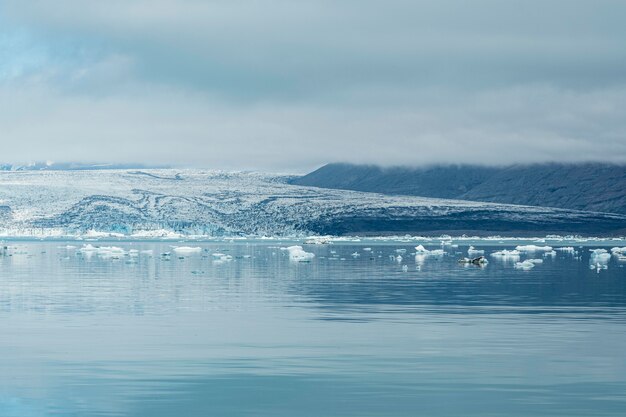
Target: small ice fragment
{"type": "Point", "coordinates": [526, 265]}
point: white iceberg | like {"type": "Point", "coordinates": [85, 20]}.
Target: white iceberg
{"type": "Point", "coordinates": [526, 265]}
{"type": "Point", "coordinates": [474, 252]}
{"type": "Point", "coordinates": [504, 254]}
{"type": "Point", "coordinates": [186, 250]}
{"type": "Point", "coordinates": [297, 254]}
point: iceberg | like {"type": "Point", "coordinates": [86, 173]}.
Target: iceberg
{"type": "Point", "coordinates": [504, 254]}
{"type": "Point", "coordinates": [297, 254]}
{"type": "Point", "coordinates": [474, 252]}
{"type": "Point", "coordinates": [526, 265]}
{"type": "Point", "coordinates": [533, 248]}
{"type": "Point", "coordinates": [186, 250]}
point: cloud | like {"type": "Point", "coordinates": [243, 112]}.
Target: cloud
{"type": "Point", "coordinates": [289, 85]}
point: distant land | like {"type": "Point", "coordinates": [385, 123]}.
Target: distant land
{"type": "Point", "coordinates": [597, 187]}
{"type": "Point", "coordinates": [157, 203]}
{"type": "Point", "coordinates": [72, 166]}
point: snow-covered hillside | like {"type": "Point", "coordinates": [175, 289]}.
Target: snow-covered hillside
{"type": "Point", "coordinates": [238, 203]}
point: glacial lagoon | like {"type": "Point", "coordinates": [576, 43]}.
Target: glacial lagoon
{"type": "Point", "coordinates": [362, 328]}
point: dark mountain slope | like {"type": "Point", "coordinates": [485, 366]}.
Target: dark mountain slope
{"type": "Point", "coordinates": [590, 186]}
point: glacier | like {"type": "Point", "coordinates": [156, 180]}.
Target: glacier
{"type": "Point", "coordinates": [182, 202]}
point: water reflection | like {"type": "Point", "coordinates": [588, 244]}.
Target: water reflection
{"type": "Point", "coordinates": [258, 334]}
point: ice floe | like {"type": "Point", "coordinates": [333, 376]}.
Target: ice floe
{"type": "Point", "coordinates": [297, 254]}
{"type": "Point", "coordinates": [526, 265]}
{"type": "Point", "coordinates": [186, 250]}
{"type": "Point", "coordinates": [474, 252]}
{"type": "Point", "coordinates": [533, 248]}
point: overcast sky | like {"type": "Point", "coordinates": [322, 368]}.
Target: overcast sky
{"type": "Point", "coordinates": [288, 85]}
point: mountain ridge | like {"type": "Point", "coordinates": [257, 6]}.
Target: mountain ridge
{"type": "Point", "coordinates": [586, 186]}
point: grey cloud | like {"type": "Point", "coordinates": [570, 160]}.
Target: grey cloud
{"type": "Point", "coordinates": [289, 85]}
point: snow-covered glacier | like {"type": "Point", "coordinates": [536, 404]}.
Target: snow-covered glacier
{"type": "Point", "coordinates": [217, 203]}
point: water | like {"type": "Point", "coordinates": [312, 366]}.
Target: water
{"type": "Point", "coordinates": [263, 336]}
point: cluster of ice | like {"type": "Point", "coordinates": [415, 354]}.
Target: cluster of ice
{"type": "Point", "coordinates": [159, 233]}
{"type": "Point", "coordinates": [618, 251]}
{"type": "Point", "coordinates": [107, 252]}
{"type": "Point", "coordinates": [319, 240]}
{"type": "Point", "coordinates": [297, 254]}
{"type": "Point", "coordinates": [533, 248]}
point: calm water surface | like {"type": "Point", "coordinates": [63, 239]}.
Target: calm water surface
{"type": "Point", "coordinates": [260, 335]}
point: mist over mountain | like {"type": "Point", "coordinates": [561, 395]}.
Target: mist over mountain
{"type": "Point", "coordinates": [589, 186]}
{"type": "Point", "coordinates": [71, 166]}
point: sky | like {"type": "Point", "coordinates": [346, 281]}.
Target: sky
{"type": "Point", "coordinates": [289, 85]}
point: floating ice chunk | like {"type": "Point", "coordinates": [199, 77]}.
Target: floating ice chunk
{"type": "Point", "coordinates": [186, 250]}
{"type": "Point", "coordinates": [297, 254]}
{"type": "Point", "coordinates": [356, 254]}
{"type": "Point", "coordinates": [399, 258]}
{"type": "Point", "coordinates": [474, 252]}
{"type": "Point", "coordinates": [147, 252]}
{"type": "Point", "coordinates": [526, 265]}
{"type": "Point", "coordinates": [367, 249]}
{"type": "Point", "coordinates": [551, 254]}
{"type": "Point", "coordinates": [221, 258]}
{"type": "Point", "coordinates": [533, 248]}
{"type": "Point", "coordinates": [88, 248]}
{"type": "Point", "coordinates": [600, 256]}
{"type": "Point", "coordinates": [507, 254]}
{"type": "Point", "coordinates": [535, 261]}
{"type": "Point", "coordinates": [318, 240]}
{"type": "Point", "coordinates": [405, 268]}
{"type": "Point", "coordinates": [618, 251]}
{"type": "Point", "coordinates": [421, 249]}
{"type": "Point", "coordinates": [110, 252]}
{"type": "Point", "coordinates": [400, 250]}
{"type": "Point", "coordinates": [133, 253]}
